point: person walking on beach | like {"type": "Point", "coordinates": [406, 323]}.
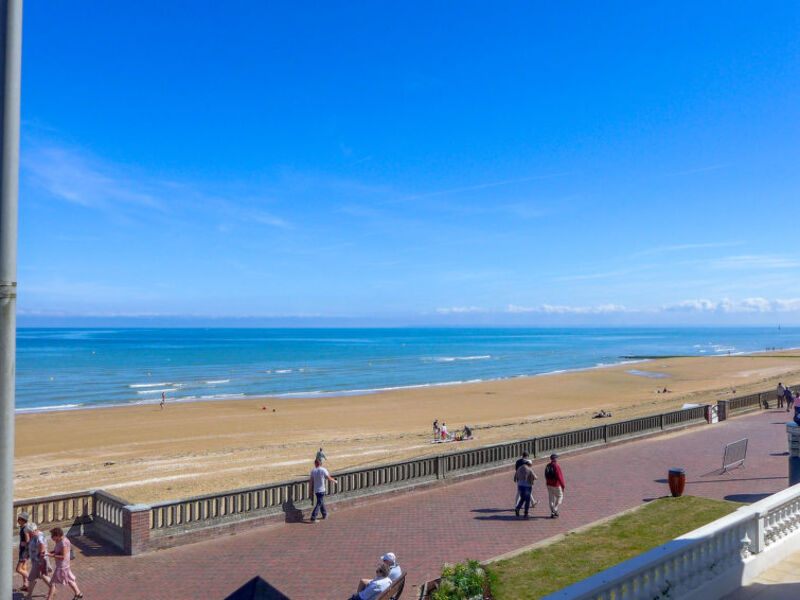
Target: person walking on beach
{"type": "Point", "coordinates": [525, 478]}
{"type": "Point", "coordinates": [62, 574]}
{"type": "Point", "coordinates": [26, 529]}
{"type": "Point", "coordinates": [321, 458]}
{"type": "Point", "coordinates": [780, 395]}
{"type": "Point", "coordinates": [40, 566]}
{"type": "Point", "coordinates": [163, 400]}
{"type": "Point", "coordinates": [555, 485]}
{"type": "Point", "coordinates": [435, 429]}
{"type": "Point", "coordinates": [319, 475]}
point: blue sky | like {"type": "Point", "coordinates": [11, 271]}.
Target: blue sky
{"type": "Point", "coordinates": [442, 163]}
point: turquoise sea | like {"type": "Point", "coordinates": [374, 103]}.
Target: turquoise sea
{"type": "Point", "coordinates": [59, 369]}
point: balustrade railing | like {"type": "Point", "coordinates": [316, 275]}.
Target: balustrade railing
{"type": "Point", "coordinates": [53, 511]}
{"type": "Point", "coordinates": [200, 511]}
{"type": "Point", "coordinates": [708, 562]}
{"type": "Point", "coordinates": [107, 513]}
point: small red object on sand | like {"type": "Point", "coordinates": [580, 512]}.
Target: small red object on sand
{"type": "Point", "coordinates": [263, 408]}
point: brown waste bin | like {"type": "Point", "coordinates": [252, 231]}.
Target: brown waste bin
{"type": "Point", "coordinates": [677, 481]}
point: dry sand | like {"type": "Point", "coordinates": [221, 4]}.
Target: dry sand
{"type": "Point", "coordinates": [144, 454]}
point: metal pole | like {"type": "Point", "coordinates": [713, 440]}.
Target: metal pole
{"type": "Point", "coordinates": [11, 70]}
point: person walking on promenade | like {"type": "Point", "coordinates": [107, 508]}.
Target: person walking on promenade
{"type": "Point", "coordinates": [26, 529]}
{"type": "Point", "coordinates": [779, 393]}
{"type": "Point", "coordinates": [555, 485]}
{"type": "Point", "coordinates": [319, 475]}
{"type": "Point", "coordinates": [40, 566]}
{"type": "Point", "coordinates": [525, 478]}
{"type": "Point", "coordinates": [321, 456]}
{"type": "Point", "coordinates": [517, 465]}
{"type": "Point", "coordinates": [787, 394]}
{"type": "Point", "coordinates": [796, 418]}
{"type": "Point", "coordinates": [62, 573]}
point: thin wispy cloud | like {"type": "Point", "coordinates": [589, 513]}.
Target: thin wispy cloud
{"type": "Point", "coordinates": [482, 186]}
{"type": "Point", "coordinates": [755, 262]}
{"type": "Point", "coordinates": [682, 247]}
{"type": "Point", "coordinates": [556, 309]}
{"type": "Point", "coordinates": [76, 176]}
{"type": "Point", "coordinates": [79, 179]}
{"type": "Point", "coordinates": [698, 170]}
{"type": "Point", "coordinates": [458, 310]}
{"type": "Point", "coordinates": [604, 274]}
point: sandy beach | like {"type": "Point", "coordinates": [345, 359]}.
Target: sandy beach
{"type": "Point", "coordinates": [145, 454]}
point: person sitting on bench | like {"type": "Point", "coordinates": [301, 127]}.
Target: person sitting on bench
{"type": "Point", "coordinates": [376, 586]}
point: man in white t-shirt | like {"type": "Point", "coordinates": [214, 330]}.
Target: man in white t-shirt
{"type": "Point", "coordinates": [317, 486]}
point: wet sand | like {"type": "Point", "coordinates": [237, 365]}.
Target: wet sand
{"type": "Point", "coordinates": [145, 454]}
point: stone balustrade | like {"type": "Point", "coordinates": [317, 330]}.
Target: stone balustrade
{"type": "Point", "coordinates": [707, 563]}
{"type": "Point", "coordinates": [136, 528]}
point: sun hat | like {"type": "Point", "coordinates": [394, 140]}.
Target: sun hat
{"type": "Point", "coordinates": [389, 557]}
{"type": "Point", "coordinates": [24, 516]}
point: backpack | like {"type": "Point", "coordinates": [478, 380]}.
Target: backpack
{"type": "Point", "coordinates": [550, 472]}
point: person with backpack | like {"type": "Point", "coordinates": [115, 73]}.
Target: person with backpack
{"type": "Point", "coordinates": [555, 485]}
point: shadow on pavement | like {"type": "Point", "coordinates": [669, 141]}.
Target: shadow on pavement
{"type": "Point", "coordinates": [746, 498]}
{"type": "Point", "coordinates": [293, 514]}
{"type": "Point", "coordinates": [492, 510]}
{"type": "Point", "coordinates": [735, 479]}
{"type": "Point", "coordinates": [257, 589]}
{"type": "Point", "coordinates": [92, 546]}
{"type": "Point", "coordinates": [779, 454]}
{"type": "Point", "coordinates": [766, 590]}
{"type": "Point", "coordinates": [509, 518]}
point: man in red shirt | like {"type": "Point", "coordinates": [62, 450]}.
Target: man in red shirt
{"type": "Point", "coordinates": [555, 485]}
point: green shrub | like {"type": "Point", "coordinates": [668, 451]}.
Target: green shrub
{"type": "Point", "coordinates": [461, 582]}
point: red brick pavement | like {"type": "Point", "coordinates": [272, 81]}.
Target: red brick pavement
{"type": "Point", "coordinates": [472, 519]}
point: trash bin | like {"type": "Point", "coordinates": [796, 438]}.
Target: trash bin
{"type": "Point", "coordinates": [677, 481]}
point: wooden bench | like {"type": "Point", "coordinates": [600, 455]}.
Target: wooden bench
{"type": "Point", "coordinates": [394, 591]}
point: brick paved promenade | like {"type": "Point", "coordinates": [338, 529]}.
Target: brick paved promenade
{"type": "Point", "coordinates": [472, 519]}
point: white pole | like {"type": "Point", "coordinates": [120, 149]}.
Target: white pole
{"type": "Point", "coordinates": [11, 70]}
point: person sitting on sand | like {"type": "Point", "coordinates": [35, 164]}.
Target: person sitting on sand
{"type": "Point", "coordinates": [376, 586]}
{"type": "Point", "coordinates": [467, 433]}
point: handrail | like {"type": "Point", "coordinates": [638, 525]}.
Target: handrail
{"type": "Point", "coordinates": [713, 556]}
